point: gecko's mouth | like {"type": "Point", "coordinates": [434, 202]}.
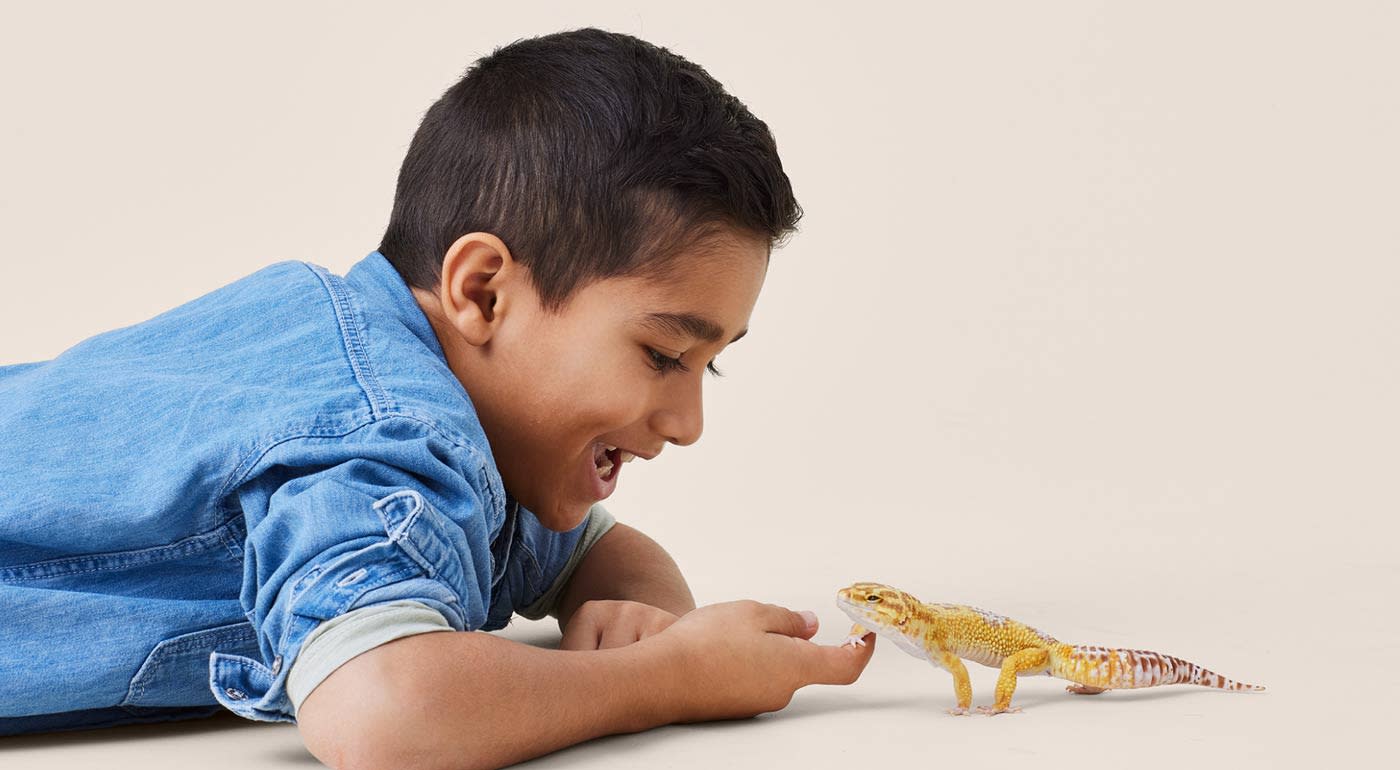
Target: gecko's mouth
{"type": "Point", "coordinates": [862, 613]}
{"type": "Point", "coordinates": [853, 611]}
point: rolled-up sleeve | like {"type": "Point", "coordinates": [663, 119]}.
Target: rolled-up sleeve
{"type": "Point", "coordinates": [550, 557]}
{"type": "Point", "coordinates": [363, 532]}
{"type": "Point", "coordinates": [336, 641]}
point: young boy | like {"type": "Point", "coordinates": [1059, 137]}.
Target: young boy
{"type": "Point", "coordinates": [270, 499]}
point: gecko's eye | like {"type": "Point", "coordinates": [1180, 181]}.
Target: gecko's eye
{"type": "Point", "coordinates": [872, 598]}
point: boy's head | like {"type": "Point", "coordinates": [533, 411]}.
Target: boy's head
{"type": "Point", "coordinates": [574, 212]}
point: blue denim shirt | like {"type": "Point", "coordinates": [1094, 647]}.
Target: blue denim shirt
{"type": "Point", "coordinates": [183, 500]}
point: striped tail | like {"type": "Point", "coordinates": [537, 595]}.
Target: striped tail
{"type": "Point", "coordinates": [1113, 669]}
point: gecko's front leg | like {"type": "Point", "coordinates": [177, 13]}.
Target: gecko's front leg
{"type": "Point", "coordinates": [857, 637]}
{"type": "Point", "coordinates": [962, 685]}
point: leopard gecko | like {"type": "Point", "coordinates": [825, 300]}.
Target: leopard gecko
{"type": "Point", "coordinates": [945, 633]}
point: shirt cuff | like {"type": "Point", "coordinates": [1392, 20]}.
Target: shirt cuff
{"type": "Point", "coordinates": [600, 520]}
{"type": "Point", "coordinates": [341, 638]}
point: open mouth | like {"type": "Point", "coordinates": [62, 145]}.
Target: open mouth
{"type": "Point", "coordinates": [607, 461]}
{"type": "Point", "coordinates": [602, 473]}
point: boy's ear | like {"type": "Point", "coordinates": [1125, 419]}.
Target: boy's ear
{"type": "Point", "coordinates": [470, 289]}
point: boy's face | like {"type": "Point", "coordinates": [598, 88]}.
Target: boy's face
{"type": "Point", "coordinates": [553, 389]}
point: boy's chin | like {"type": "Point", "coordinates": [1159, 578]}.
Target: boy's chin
{"type": "Point", "coordinates": [563, 517]}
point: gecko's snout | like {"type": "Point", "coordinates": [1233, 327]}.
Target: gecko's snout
{"type": "Point", "coordinates": [875, 605]}
{"type": "Point", "coordinates": [865, 598]}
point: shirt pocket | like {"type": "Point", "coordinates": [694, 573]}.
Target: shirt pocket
{"type": "Point", "coordinates": [176, 673]}
{"type": "Point", "coordinates": [204, 561]}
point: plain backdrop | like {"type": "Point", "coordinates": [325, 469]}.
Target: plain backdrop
{"type": "Point", "coordinates": [1094, 307]}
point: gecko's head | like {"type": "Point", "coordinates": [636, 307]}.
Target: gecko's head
{"type": "Point", "coordinates": [876, 605]}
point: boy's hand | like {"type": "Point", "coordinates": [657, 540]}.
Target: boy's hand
{"type": "Point", "coordinates": [739, 659]}
{"type": "Point", "coordinates": [599, 624]}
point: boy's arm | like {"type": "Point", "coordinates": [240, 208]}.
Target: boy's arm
{"type": "Point", "coordinates": [626, 564]}
{"type": "Point", "coordinates": [471, 700]}
{"type": "Point", "coordinates": [474, 700]}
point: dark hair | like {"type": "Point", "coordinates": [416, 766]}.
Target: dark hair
{"type": "Point", "coordinates": [590, 154]}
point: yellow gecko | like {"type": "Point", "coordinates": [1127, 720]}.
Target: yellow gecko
{"type": "Point", "coordinates": [945, 633]}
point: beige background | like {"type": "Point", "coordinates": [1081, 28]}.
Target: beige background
{"type": "Point", "coordinates": [1094, 307]}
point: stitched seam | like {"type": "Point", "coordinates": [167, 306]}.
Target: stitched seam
{"type": "Point", "coordinates": [233, 542]}
{"type": "Point", "coordinates": [485, 480]}
{"type": "Point", "coordinates": [308, 580]}
{"type": "Point", "coordinates": [190, 546]}
{"type": "Point", "coordinates": [539, 571]}
{"type": "Point", "coordinates": [240, 473]}
{"type": "Point", "coordinates": [290, 620]}
{"type": "Point", "coordinates": [381, 405]}
{"type": "Point", "coordinates": [228, 635]}
{"type": "Point", "coordinates": [392, 501]}
{"type": "Point", "coordinates": [478, 462]}
{"type": "Point", "coordinates": [354, 344]}
{"type": "Point", "coordinates": [314, 430]}
{"type": "Point", "coordinates": [204, 637]}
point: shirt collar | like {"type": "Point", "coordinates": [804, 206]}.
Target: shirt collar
{"type": "Point", "coordinates": [379, 282]}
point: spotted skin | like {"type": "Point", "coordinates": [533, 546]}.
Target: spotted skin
{"type": "Point", "coordinates": [947, 634]}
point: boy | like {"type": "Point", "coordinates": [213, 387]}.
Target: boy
{"type": "Point", "coordinates": [271, 499]}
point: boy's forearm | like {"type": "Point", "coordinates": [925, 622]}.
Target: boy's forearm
{"type": "Point", "coordinates": [467, 700]}
{"type": "Point", "coordinates": [626, 564]}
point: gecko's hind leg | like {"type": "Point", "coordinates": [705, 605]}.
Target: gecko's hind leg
{"type": "Point", "coordinates": [992, 711]}
{"type": "Point", "coordinates": [1084, 689]}
{"type": "Point", "coordinates": [1028, 661]}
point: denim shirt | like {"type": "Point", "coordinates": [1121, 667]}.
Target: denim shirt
{"type": "Point", "coordinates": [183, 500]}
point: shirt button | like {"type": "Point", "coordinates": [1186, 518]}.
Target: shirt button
{"type": "Point", "coordinates": [276, 665]}
{"type": "Point", "coordinates": [234, 694]}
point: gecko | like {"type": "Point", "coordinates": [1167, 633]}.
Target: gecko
{"type": "Point", "coordinates": [944, 634]}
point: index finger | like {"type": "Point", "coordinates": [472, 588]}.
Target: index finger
{"type": "Point", "coordinates": [836, 664]}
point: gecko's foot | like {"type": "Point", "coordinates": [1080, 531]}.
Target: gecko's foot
{"type": "Point", "coordinates": [1084, 689]}
{"type": "Point", "coordinates": [957, 712]}
{"type": "Point", "coordinates": [993, 711]}
{"type": "Point", "coordinates": [855, 640]}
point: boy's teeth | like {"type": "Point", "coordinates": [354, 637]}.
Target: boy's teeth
{"type": "Point", "coordinates": [605, 463]}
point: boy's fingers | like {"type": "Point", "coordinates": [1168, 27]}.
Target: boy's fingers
{"type": "Point", "coordinates": [830, 664]}
{"type": "Point", "coordinates": [580, 634]}
{"type": "Point", "coordinates": [784, 621]}
{"type": "Point", "coordinates": [617, 635]}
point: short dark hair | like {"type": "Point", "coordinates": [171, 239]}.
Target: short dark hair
{"type": "Point", "coordinates": [590, 154]}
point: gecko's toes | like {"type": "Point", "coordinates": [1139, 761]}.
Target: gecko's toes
{"type": "Point", "coordinates": [1083, 689]}
{"type": "Point", "coordinates": [957, 712]}
{"type": "Point", "coordinates": [992, 711]}
{"type": "Point", "coordinates": [854, 641]}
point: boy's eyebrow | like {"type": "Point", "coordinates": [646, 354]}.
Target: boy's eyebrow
{"type": "Point", "coordinates": [689, 324]}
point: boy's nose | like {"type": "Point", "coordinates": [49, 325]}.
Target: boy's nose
{"type": "Point", "coordinates": [680, 428]}
{"type": "Point", "coordinates": [681, 421]}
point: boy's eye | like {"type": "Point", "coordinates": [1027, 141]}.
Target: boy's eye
{"type": "Point", "coordinates": [664, 363]}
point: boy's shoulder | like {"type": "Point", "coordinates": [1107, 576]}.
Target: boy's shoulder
{"type": "Point", "coordinates": [290, 350]}
{"type": "Point", "coordinates": [282, 373]}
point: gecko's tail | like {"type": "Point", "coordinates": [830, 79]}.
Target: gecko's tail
{"type": "Point", "coordinates": [1115, 669]}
